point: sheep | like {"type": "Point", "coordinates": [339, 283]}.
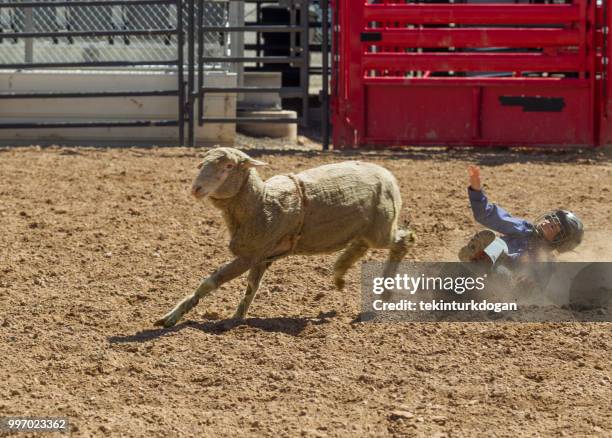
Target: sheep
{"type": "Point", "coordinates": [351, 206]}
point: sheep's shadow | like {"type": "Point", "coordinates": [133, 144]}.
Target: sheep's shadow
{"type": "Point", "coordinates": [288, 325]}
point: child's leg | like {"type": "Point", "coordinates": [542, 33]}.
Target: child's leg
{"type": "Point", "coordinates": [474, 251]}
{"type": "Point", "coordinates": [486, 253]}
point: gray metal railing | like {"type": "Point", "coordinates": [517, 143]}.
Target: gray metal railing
{"type": "Point", "coordinates": [19, 21]}
{"type": "Point", "coordinates": [174, 59]}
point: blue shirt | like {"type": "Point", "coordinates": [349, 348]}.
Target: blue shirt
{"type": "Point", "coordinates": [516, 232]}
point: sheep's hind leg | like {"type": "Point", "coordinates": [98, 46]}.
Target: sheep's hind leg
{"type": "Point", "coordinates": [222, 275]}
{"type": "Point", "coordinates": [353, 252]}
{"type": "Point", "coordinates": [402, 240]}
{"type": "Point", "coordinates": [255, 275]}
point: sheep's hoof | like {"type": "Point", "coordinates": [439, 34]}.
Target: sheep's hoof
{"type": "Point", "coordinates": [239, 316]}
{"type": "Point", "coordinates": [339, 282]}
{"type": "Point", "coordinates": [167, 321]}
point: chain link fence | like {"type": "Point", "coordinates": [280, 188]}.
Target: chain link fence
{"type": "Point", "coordinates": [100, 18]}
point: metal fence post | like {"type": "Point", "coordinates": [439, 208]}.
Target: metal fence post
{"type": "Point", "coordinates": [29, 28]}
{"type": "Point", "coordinates": [325, 75]}
{"type": "Point", "coordinates": [180, 42]}
{"type": "Point", "coordinates": [305, 58]}
{"type": "Point", "coordinates": [191, 67]}
{"type": "Point", "coordinates": [236, 19]}
{"type": "Point", "coordinates": [200, 62]}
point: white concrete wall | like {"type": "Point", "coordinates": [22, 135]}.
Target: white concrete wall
{"type": "Point", "coordinates": [262, 79]}
{"type": "Point", "coordinates": [103, 109]}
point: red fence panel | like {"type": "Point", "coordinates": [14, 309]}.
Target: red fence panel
{"type": "Point", "coordinates": [469, 14]}
{"type": "Point", "coordinates": [467, 74]}
{"type": "Point", "coordinates": [605, 91]}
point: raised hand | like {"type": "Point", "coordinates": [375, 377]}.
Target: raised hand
{"type": "Point", "coordinates": [474, 174]}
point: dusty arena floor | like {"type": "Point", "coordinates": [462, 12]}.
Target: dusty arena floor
{"type": "Point", "coordinates": [96, 244]}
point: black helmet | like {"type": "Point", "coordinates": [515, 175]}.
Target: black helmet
{"type": "Point", "coordinates": [571, 229]}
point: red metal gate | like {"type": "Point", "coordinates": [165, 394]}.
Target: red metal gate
{"type": "Point", "coordinates": [604, 46]}
{"type": "Point", "coordinates": [471, 74]}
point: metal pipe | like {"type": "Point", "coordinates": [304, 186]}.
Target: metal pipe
{"type": "Point", "coordinates": [312, 47]}
{"type": "Point", "coordinates": [472, 13]}
{"type": "Point", "coordinates": [475, 37]}
{"type": "Point", "coordinates": [607, 54]}
{"type": "Point", "coordinates": [258, 40]}
{"type": "Point", "coordinates": [305, 57]}
{"type": "Point", "coordinates": [62, 95]}
{"type": "Point", "coordinates": [130, 123]}
{"type": "Point", "coordinates": [325, 76]}
{"type": "Point", "coordinates": [83, 3]}
{"type": "Point", "coordinates": [236, 20]}
{"type": "Point", "coordinates": [200, 91]}
{"type": "Point", "coordinates": [263, 60]}
{"type": "Point", "coordinates": [87, 64]}
{"type": "Point", "coordinates": [335, 48]}
{"type": "Point", "coordinates": [474, 62]}
{"type": "Point", "coordinates": [97, 33]}
{"type": "Point", "coordinates": [180, 42]}
{"type": "Point", "coordinates": [292, 23]}
{"type": "Point", "coordinates": [29, 42]}
{"type": "Point", "coordinates": [480, 81]}
{"type": "Point", "coordinates": [191, 69]}
{"type": "Point", "coordinates": [251, 120]}
{"type": "Point", "coordinates": [283, 91]}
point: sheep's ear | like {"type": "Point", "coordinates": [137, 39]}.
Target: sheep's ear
{"type": "Point", "coordinates": [201, 165]}
{"type": "Point", "coordinates": [250, 162]}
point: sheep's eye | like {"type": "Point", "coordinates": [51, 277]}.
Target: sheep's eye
{"type": "Point", "coordinates": [229, 166]}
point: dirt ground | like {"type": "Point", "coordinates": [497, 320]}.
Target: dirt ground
{"type": "Point", "coordinates": [96, 244]}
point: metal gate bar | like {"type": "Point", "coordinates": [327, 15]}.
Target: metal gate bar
{"type": "Point", "coordinates": [53, 4]}
{"type": "Point", "coordinates": [473, 62]}
{"type": "Point", "coordinates": [325, 72]}
{"type": "Point", "coordinates": [73, 95]}
{"type": "Point", "coordinates": [178, 31]}
{"type": "Point", "coordinates": [605, 89]}
{"type": "Point", "coordinates": [131, 123]}
{"type": "Point", "coordinates": [475, 37]}
{"type": "Point", "coordinates": [472, 14]}
{"type": "Point", "coordinates": [191, 67]}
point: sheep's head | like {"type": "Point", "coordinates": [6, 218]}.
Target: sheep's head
{"type": "Point", "coordinates": [222, 173]}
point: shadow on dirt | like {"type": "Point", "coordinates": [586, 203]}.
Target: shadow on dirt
{"type": "Point", "coordinates": [287, 325]}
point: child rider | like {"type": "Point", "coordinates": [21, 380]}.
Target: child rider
{"type": "Point", "coordinates": [559, 230]}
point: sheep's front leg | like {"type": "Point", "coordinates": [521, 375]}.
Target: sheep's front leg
{"type": "Point", "coordinates": [222, 275]}
{"type": "Point", "coordinates": [255, 275]}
